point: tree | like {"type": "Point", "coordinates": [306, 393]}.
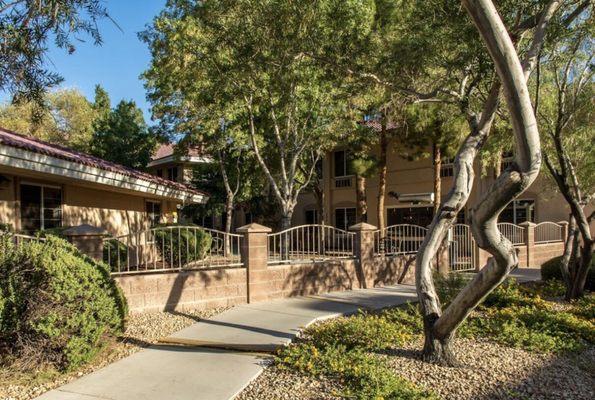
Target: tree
{"type": "Point", "coordinates": [26, 27]}
{"type": "Point", "coordinates": [564, 96]}
{"type": "Point", "coordinates": [250, 58]}
{"type": "Point", "coordinates": [440, 325]}
{"type": "Point", "coordinates": [67, 119]}
{"type": "Point", "coordinates": [123, 137]}
{"type": "Point", "coordinates": [439, 127]}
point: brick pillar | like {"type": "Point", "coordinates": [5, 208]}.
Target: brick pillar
{"type": "Point", "coordinates": [88, 239]}
{"type": "Point", "coordinates": [529, 242]}
{"type": "Point", "coordinates": [254, 251]}
{"type": "Point", "coordinates": [364, 253]}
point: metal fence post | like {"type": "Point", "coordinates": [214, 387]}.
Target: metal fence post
{"type": "Point", "coordinates": [254, 252]}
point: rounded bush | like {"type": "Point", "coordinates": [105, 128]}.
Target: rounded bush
{"type": "Point", "coordinates": [56, 305]}
{"type": "Point", "coordinates": [180, 246]}
{"type": "Point", "coordinates": [551, 270]}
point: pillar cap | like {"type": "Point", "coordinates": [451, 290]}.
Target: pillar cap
{"type": "Point", "coordinates": [254, 228]}
{"type": "Point", "coordinates": [562, 222]}
{"type": "Point", "coordinates": [85, 230]}
{"type": "Point", "coordinates": [527, 223]}
{"type": "Point", "coordinates": [363, 226]}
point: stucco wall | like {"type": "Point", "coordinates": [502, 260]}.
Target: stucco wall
{"type": "Point", "coordinates": [118, 212]}
{"type": "Point", "coordinates": [7, 200]}
{"type": "Point", "coordinates": [405, 176]}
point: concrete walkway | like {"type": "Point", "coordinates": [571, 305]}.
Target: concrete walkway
{"type": "Point", "coordinates": [216, 359]}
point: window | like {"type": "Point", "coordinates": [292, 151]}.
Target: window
{"type": "Point", "coordinates": [461, 217]}
{"type": "Point", "coordinates": [447, 168]}
{"type": "Point", "coordinates": [153, 212]}
{"type": "Point", "coordinates": [421, 216]}
{"type": "Point", "coordinates": [172, 174]}
{"type": "Point", "coordinates": [518, 211]}
{"type": "Point", "coordinates": [41, 207]}
{"type": "Point", "coordinates": [311, 217]}
{"type": "Point", "coordinates": [248, 217]}
{"type": "Point", "coordinates": [159, 173]}
{"type": "Point", "coordinates": [342, 164]}
{"type": "Point", "coordinates": [344, 217]}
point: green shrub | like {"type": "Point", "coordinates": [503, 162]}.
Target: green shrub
{"type": "Point", "coordinates": [584, 307]}
{"type": "Point", "coordinates": [509, 294]}
{"type": "Point", "coordinates": [448, 286]}
{"type": "Point", "coordinates": [532, 328]}
{"type": "Point", "coordinates": [115, 254]}
{"type": "Point", "coordinates": [364, 375]}
{"type": "Point", "coordinates": [182, 246]}
{"type": "Point", "coordinates": [56, 304]}
{"type": "Point", "coordinates": [551, 271]}
{"type": "Point", "coordinates": [363, 331]}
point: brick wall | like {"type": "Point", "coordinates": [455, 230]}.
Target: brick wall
{"type": "Point", "coordinates": [203, 289]}
{"type": "Point", "coordinates": [200, 289]}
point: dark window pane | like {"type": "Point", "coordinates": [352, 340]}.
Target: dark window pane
{"type": "Point", "coordinates": [52, 207]}
{"type": "Point", "coordinates": [311, 217]}
{"type": "Point", "coordinates": [421, 216]}
{"type": "Point", "coordinates": [340, 163]}
{"type": "Point", "coordinates": [30, 208]}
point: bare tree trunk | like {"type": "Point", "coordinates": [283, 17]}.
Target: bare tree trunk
{"type": "Point", "coordinates": [382, 176]}
{"type": "Point", "coordinates": [360, 195]}
{"type": "Point", "coordinates": [319, 195]}
{"type": "Point", "coordinates": [439, 327]}
{"type": "Point", "coordinates": [567, 256]}
{"type": "Point", "coordinates": [437, 179]}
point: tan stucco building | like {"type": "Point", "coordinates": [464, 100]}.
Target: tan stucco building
{"type": "Point", "coordinates": [44, 186]}
{"type": "Point", "coordinates": [410, 193]}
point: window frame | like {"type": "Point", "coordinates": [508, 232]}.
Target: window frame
{"type": "Point", "coordinates": [515, 206]}
{"type": "Point", "coordinates": [150, 214]}
{"type": "Point", "coordinates": [169, 174]}
{"type": "Point", "coordinates": [447, 167]}
{"type": "Point", "coordinates": [347, 173]}
{"type": "Point", "coordinates": [344, 209]}
{"type": "Point", "coordinates": [316, 219]}
{"type": "Point", "coordinates": [42, 187]}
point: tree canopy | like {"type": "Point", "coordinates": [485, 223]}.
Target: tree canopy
{"type": "Point", "coordinates": [27, 27]}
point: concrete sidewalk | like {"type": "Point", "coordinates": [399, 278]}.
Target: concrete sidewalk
{"type": "Point", "coordinates": [209, 360]}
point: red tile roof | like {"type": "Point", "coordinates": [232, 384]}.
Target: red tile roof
{"type": "Point", "coordinates": [28, 143]}
{"type": "Point", "coordinates": [168, 149]}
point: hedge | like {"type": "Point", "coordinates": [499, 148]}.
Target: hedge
{"type": "Point", "coordinates": [182, 246]}
{"type": "Point", "coordinates": [57, 305]}
{"type": "Point", "coordinates": [551, 270]}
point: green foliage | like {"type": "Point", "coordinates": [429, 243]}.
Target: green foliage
{"type": "Point", "coordinates": [448, 286]}
{"type": "Point", "coordinates": [363, 331]}
{"type": "Point", "coordinates": [56, 304]}
{"type": "Point", "coordinates": [26, 30]}
{"type": "Point", "coordinates": [551, 271]}
{"type": "Point", "coordinates": [343, 349]}
{"type": "Point", "coordinates": [122, 135]}
{"type": "Point", "coordinates": [115, 254]}
{"type": "Point", "coordinates": [533, 328]}
{"type": "Point", "coordinates": [181, 246]}
{"type": "Point", "coordinates": [65, 119]}
{"type": "Point", "coordinates": [517, 316]}
{"type": "Point", "coordinates": [364, 375]}
{"type": "Point", "coordinates": [584, 308]}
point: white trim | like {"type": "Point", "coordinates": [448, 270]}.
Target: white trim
{"type": "Point", "coordinates": [185, 159]}
{"type": "Point", "coordinates": [28, 160]}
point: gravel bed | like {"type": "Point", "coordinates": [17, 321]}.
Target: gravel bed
{"type": "Point", "coordinates": [142, 330]}
{"type": "Point", "coordinates": [282, 384]}
{"type": "Point", "coordinates": [490, 372]}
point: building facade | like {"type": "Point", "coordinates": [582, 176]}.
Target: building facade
{"type": "Point", "coordinates": [45, 186]}
{"type": "Point", "coordinates": [409, 194]}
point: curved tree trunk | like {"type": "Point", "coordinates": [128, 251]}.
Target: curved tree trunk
{"type": "Point", "coordinates": [437, 179]}
{"type": "Point", "coordinates": [382, 176]}
{"type": "Point", "coordinates": [440, 327]}
{"type": "Point", "coordinates": [361, 202]}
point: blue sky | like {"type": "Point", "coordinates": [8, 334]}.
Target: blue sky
{"type": "Point", "coordinates": [119, 61]}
